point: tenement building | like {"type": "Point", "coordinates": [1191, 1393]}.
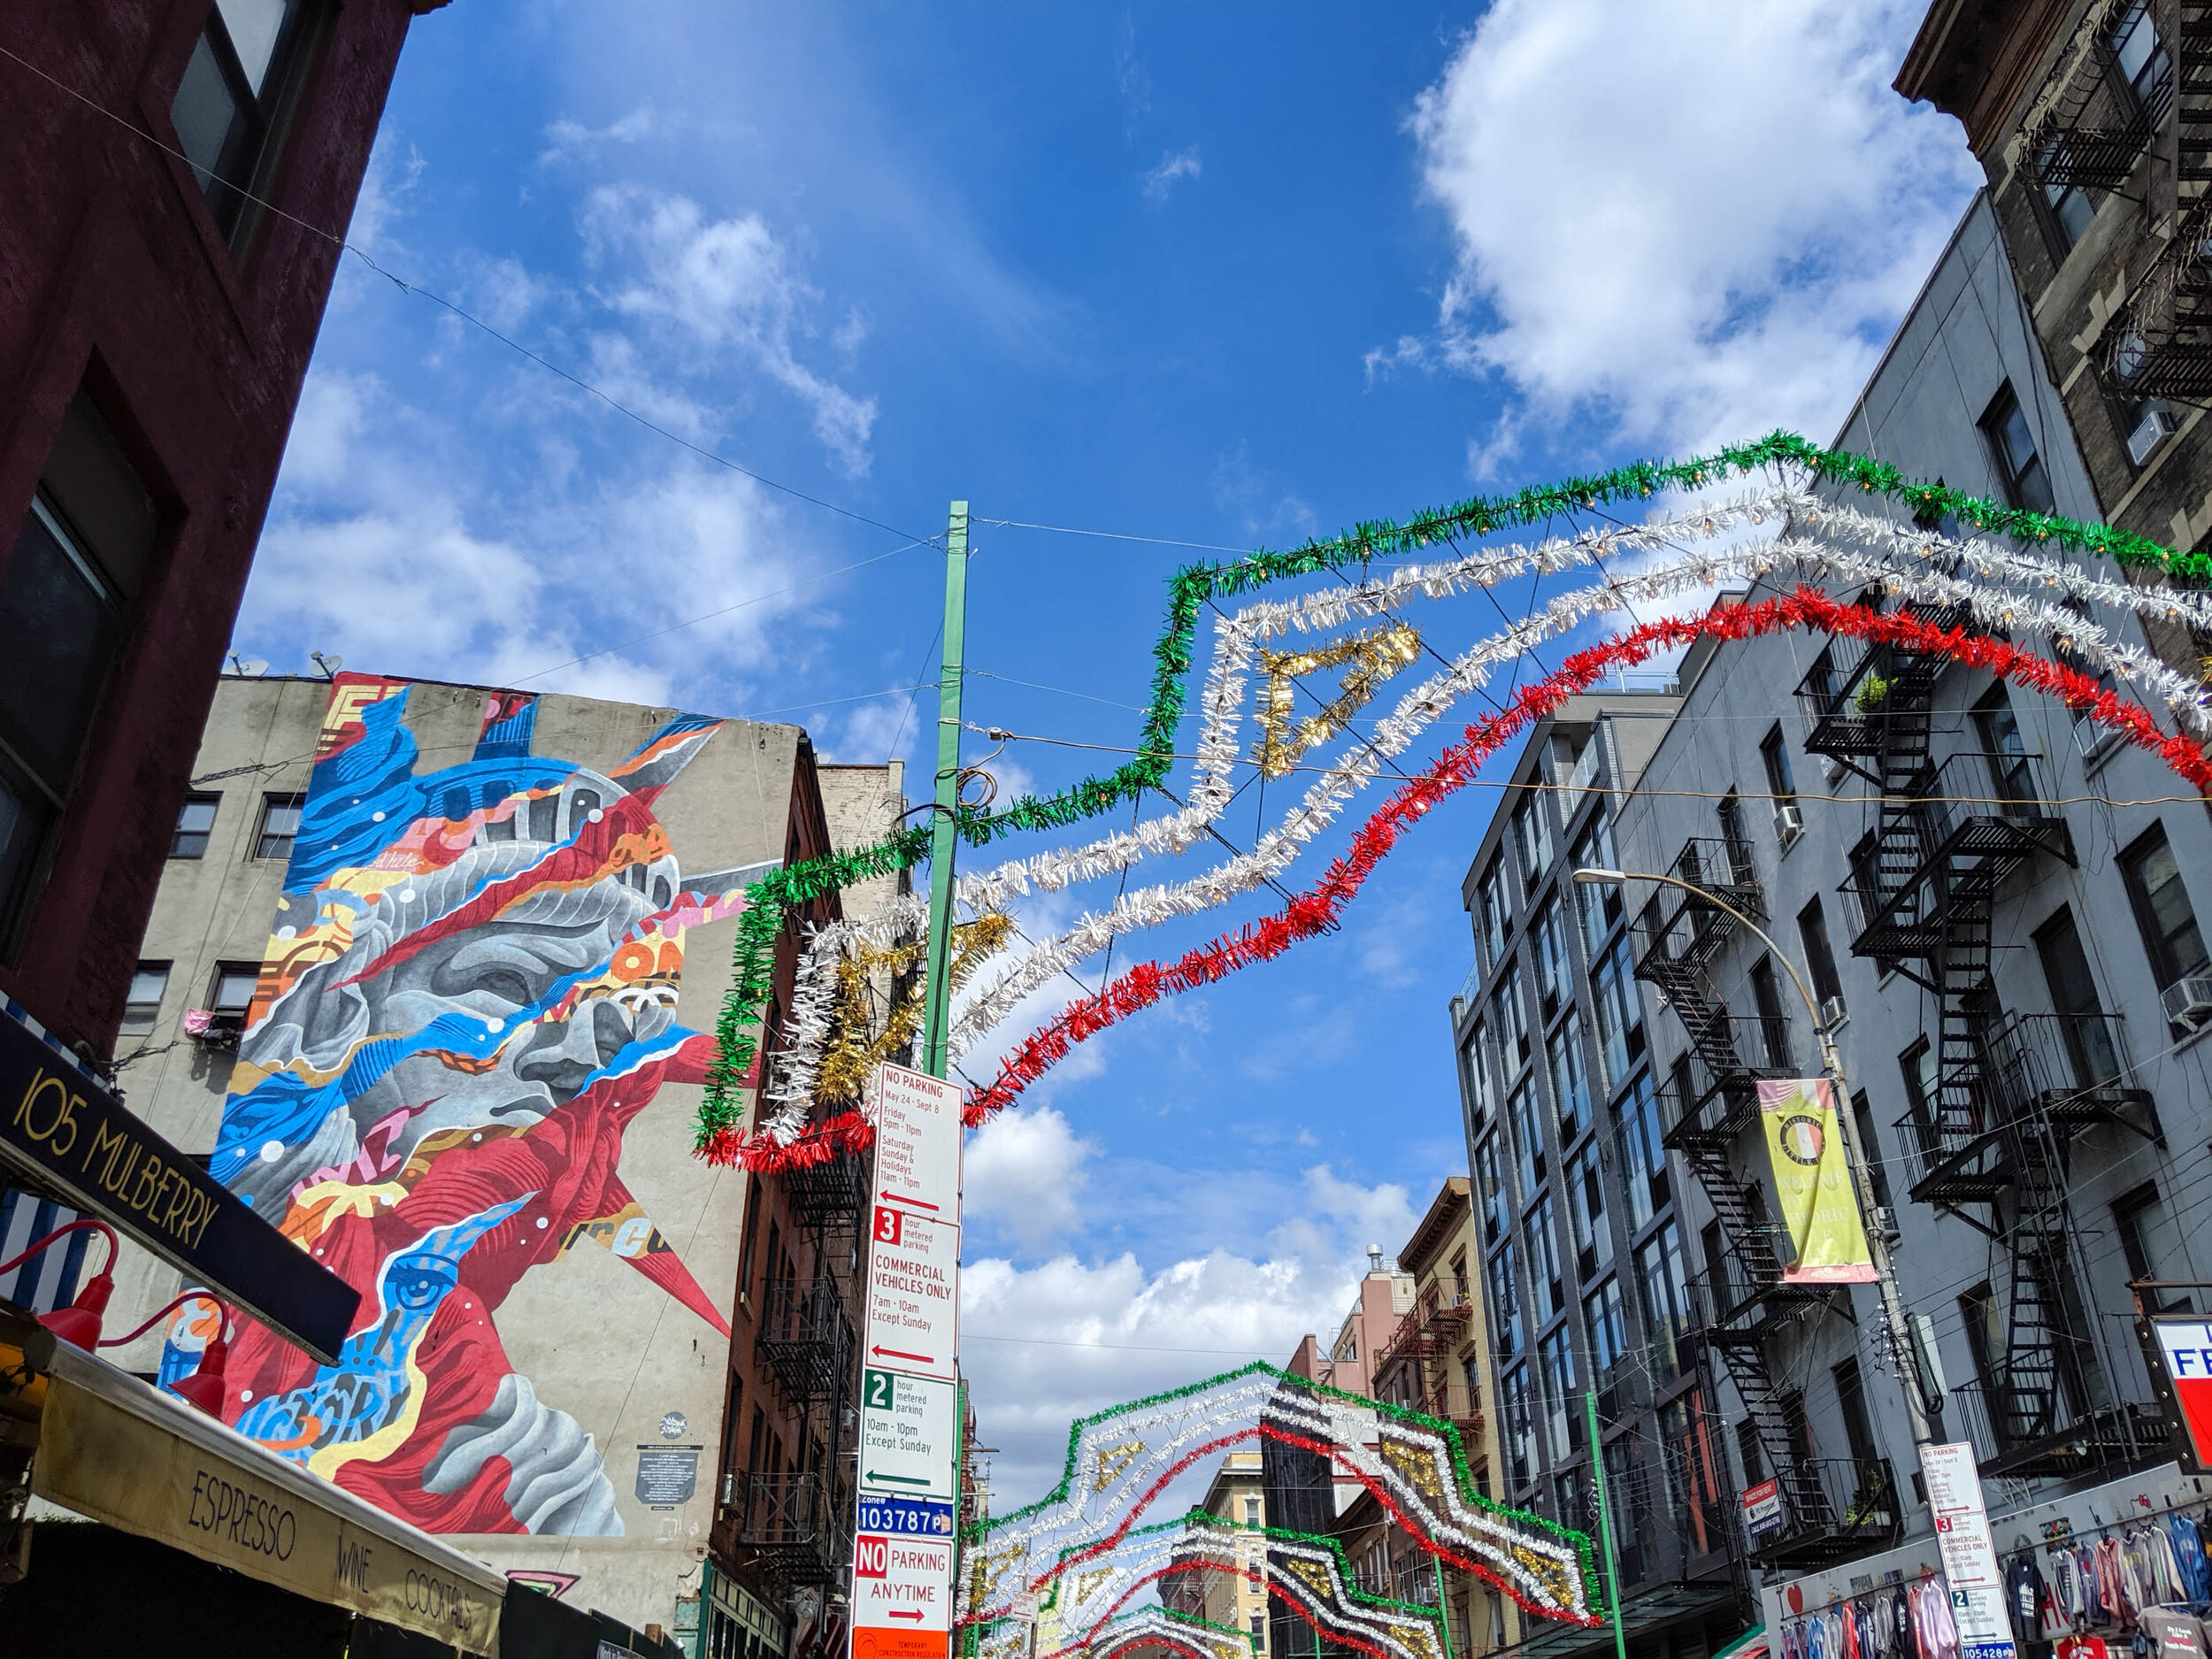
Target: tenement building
{"type": "Point", "coordinates": [431, 983]}
{"type": "Point", "coordinates": [2092, 121]}
{"type": "Point", "coordinates": [1992, 907]}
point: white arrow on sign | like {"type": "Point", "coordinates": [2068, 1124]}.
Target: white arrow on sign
{"type": "Point", "coordinates": [913, 1315]}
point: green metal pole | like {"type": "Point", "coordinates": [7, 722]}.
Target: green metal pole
{"type": "Point", "coordinates": [943, 837]}
{"type": "Point", "coordinates": [1444, 1611]}
{"type": "Point", "coordinates": [1605, 1527]}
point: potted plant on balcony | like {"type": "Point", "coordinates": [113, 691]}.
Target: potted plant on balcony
{"type": "Point", "coordinates": [1872, 693]}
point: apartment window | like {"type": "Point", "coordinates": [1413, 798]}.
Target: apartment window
{"type": "Point", "coordinates": [1506, 1326]}
{"type": "Point", "coordinates": [1512, 1020]}
{"type": "Point", "coordinates": [1869, 1147]}
{"type": "Point", "coordinates": [1570, 1078]}
{"type": "Point", "coordinates": [2088, 1034]}
{"type": "Point", "coordinates": [1556, 1370]}
{"type": "Point", "coordinates": [1820, 958]}
{"type": "Point", "coordinates": [1644, 1153]}
{"type": "Point", "coordinates": [1766, 997]}
{"type": "Point", "coordinates": [1985, 1327]}
{"type": "Point", "coordinates": [1917, 1064]}
{"type": "Point", "coordinates": [1478, 1057]}
{"type": "Point", "coordinates": [2162, 911]}
{"type": "Point", "coordinates": [2140, 57]}
{"type": "Point", "coordinates": [229, 106]}
{"type": "Point", "coordinates": [1490, 1184]}
{"type": "Point", "coordinates": [1259, 1632]}
{"type": "Point", "coordinates": [1251, 1511]}
{"type": "Point", "coordinates": [1774, 755]}
{"type": "Point", "coordinates": [1665, 1297]}
{"type": "Point", "coordinates": [195, 822]}
{"type": "Point", "coordinates": [1601, 906]}
{"type": "Point", "coordinates": [1543, 1261]}
{"type": "Point", "coordinates": [1692, 1465]}
{"type": "Point", "coordinates": [1748, 1452]}
{"type": "Point", "coordinates": [2154, 1247]}
{"type": "Point", "coordinates": [279, 823]}
{"type": "Point", "coordinates": [2020, 468]}
{"type": "Point", "coordinates": [1528, 1138]}
{"type": "Point", "coordinates": [1620, 1013]}
{"type": "Point", "coordinates": [1601, 1311]}
{"type": "Point", "coordinates": [1519, 1424]}
{"type": "Point", "coordinates": [141, 1008]}
{"type": "Point", "coordinates": [1494, 912]}
{"type": "Point", "coordinates": [1553, 967]}
{"type": "Point", "coordinates": [1858, 1427]}
{"type": "Point", "coordinates": [1573, 1500]}
{"type": "Point", "coordinates": [65, 596]}
{"type": "Point", "coordinates": [230, 993]}
{"type": "Point", "coordinates": [1585, 1212]}
{"type": "Point", "coordinates": [1531, 840]}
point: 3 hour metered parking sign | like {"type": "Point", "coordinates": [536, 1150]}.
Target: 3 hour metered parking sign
{"type": "Point", "coordinates": [913, 1296]}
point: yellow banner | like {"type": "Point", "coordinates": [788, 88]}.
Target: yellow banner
{"type": "Point", "coordinates": [136, 1475]}
{"type": "Point", "coordinates": [1819, 1205]}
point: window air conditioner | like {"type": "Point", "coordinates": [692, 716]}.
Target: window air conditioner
{"type": "Point", "coordinates": [2188, 1001]}
{"type": "Point", "coordinates": [729, 1488]}
{"type": "Point", "coordinates": [1789, 822]}
{"type": "Point", "coordinates": [2158, 425]}
{"type": "Point", "coordinates": [1832, 1012]}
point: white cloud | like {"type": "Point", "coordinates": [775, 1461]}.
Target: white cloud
{"type": "Point", "coordinates": [1699, 221]}
{"type": "Point", "coordinates": [724, 285]}
{"type": "Point", "coordinates": [1025, 1171]}
{"type": "Point", "coordinates": [566, 138]}
{"type": "Point", "coordinates": [1087, 1335]}
{"type": "Point", "coordinates": [377, 546]}
{"type": "Point", "coordinates": [1176, 163]}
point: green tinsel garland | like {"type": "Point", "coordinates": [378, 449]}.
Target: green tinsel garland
{"type": "Point", "coordinates": [1470, 1492]}
{"type": "Point", "coordinates": [770, 901]}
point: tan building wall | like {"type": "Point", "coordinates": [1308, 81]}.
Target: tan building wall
{"type": "Point", "coordinates": [487, 981]}
{"type": "Point", "coordinates": [1240, 1603]}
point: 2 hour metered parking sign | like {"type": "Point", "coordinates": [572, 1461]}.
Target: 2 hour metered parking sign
{"type": "Point", "coordinates": [907, 1430]}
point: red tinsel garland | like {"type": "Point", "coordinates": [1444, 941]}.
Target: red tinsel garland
{"type": "Point", "coordinates": [1317, 909]}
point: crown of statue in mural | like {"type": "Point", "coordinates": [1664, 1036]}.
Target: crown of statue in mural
{"type": "Point", "coordinates": [1076, 1560]}
{"type": "Point", "coordinates": [1964, 593]}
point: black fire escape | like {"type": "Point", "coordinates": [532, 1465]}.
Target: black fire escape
{"type": "Point", "coordinates": [1830, 1508]}
{"type": "Point", "coordinates": [1989, 1140]}
{"type": "Point", "coordinates": [798, 1524]}
{"type": "Point", "coordinates": [2104, 104]}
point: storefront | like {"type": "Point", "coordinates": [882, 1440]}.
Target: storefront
{"type": "Point", "coordinates": [739, 1625]}
{"type": "Point", "coordinates": [106, 1447]}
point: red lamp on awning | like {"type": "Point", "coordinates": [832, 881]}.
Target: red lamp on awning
{"type": "Point", "coordinates": [79, 1322]}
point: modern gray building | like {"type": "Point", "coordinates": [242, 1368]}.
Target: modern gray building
{"type": "Point", "coordinates": [1578, 1211]}
{"type": "Point", "coordinates": [1996, 910]}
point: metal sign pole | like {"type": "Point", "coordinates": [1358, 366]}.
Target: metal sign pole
{"type": "Point", "coordinates": [944, 837]}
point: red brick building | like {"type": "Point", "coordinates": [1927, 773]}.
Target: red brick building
{"type": "Point", "coordinates": [179, 173]}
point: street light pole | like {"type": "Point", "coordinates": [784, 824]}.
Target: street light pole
{"type": "Point", "coordinates": [1862, 1183]}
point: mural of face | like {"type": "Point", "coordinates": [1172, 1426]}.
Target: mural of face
{"type": "Point", "coordinates": [470, 990]}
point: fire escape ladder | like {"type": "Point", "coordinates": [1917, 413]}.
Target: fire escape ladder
{"type": "Point", "coordinates": [2192, 91]}
{"type": "Point", "coordinates": [2035, 1256]}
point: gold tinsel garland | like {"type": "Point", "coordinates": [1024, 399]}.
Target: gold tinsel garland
{"type": "Point", "coordinates": [857, 1048]}
{"type": "Point", "coordinates": [1376, 654]}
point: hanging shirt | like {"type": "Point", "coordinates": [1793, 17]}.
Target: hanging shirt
{"type": "Point", "coordinates": [2024, 1597]}
{"type": "Point", "coordinates": [2173, 1635]}
{"type": "Point", "coordinates": [2083, 1648]}
{"type": "Point", "coordinates": [2188, 1547]}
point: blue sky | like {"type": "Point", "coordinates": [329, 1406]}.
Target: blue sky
{"type": "Point", "coordinates": [1226, 274]}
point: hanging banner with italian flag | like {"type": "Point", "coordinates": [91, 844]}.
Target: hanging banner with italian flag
{"type": "Point", "coordinates": [1813, 1183]}
{"type": "Point", "coordinates": [2184, 1343]}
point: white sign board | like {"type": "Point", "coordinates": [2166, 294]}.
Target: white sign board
{"type": "Point", "coordinates": [907, 1430]}
{"type": "Point", "coordinates": [913, 1308]}
{"type": "Point", "coordinates": [901, 1596]}
{"type": "Point", "coordinates": [1763, 1509]}
{"type": "Point", "coordinates": [1970, 1557]}
{"type": "Point", "coordinates": [918, 1142]}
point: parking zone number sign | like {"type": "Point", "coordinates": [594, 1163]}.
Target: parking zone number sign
{"type": "Point", "coordinates": [902, 1597]}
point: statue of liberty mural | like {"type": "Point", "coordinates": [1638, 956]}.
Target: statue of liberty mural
{"type": "Point", "coordinates": [470, 992]}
